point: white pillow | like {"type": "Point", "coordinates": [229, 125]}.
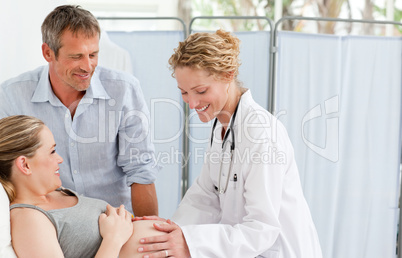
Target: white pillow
{"type": "Point", "coordinates": [6, 250]}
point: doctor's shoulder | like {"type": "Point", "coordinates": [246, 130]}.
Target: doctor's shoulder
{"type": "Point", "coordinates": [258, 125]}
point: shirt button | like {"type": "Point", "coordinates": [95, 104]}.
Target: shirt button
{"type": "Point", "coordinates": [75, 171]}
{"type": "Point", "coordinates": [66, 115]}
{"type": "Point", "coordinates": [72, 144]}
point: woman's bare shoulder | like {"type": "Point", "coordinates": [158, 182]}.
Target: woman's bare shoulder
{"type": "Point", "coordinates": [24, 217]}
{"type": "Point", "coordinates": [32, 232]}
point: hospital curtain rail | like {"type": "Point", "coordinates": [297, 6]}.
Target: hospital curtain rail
{"type": "Point", "coordinates": [150, 51]}
{"type": "Point", "coordinates": [340, 100]}
{"type": "Point", "coordinates": [254, 73]}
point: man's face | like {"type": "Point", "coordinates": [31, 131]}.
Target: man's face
{"type": "Point", "coordinates": [76, 62]}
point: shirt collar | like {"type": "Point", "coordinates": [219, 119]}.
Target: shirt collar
{"type": "Point", "coordinates": [96, 89]}
{"type": "Point", "coordinates": [44, 91]}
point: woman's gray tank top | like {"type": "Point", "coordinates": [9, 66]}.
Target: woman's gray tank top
{"type": "Point", "coordinates": [77, 227]}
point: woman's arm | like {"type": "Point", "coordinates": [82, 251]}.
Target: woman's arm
{"type": "Point", "coordinates": [33, 234]}
{"type": "Point", "coordinates": [115, 228]}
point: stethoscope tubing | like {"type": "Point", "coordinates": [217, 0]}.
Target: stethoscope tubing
{"type": "Point", "coordinates": [232, 147]}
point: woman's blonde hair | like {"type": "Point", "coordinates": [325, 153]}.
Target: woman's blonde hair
{"type": "Point", "coordinates": [216, 53]}
{"type": "Point", "coordinates": [19, 136]}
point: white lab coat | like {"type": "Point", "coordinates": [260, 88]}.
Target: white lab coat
{"type": "Point", "coordinates": [263, 213]}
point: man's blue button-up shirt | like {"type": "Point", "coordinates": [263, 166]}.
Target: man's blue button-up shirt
{"type": "Point", "coordinates": [106, 146]}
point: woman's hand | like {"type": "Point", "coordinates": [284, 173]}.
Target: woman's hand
{"type": "Point", "coordinates": [172, 244]}
{"type": "Point", "coordinates": [115, 225]}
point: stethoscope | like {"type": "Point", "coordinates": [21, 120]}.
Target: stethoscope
{"type": "Point", "coordinates": [232, 147]}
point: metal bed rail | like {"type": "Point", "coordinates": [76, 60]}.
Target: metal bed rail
{"type": "Point", "coordinates": [148, 18]}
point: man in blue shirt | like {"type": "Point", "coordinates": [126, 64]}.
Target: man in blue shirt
{"type": "Point", "coordinates": [98, 116]}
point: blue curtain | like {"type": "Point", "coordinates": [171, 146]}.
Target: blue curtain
{"type": "Point", "coordinates": [150, 52]}
{"type": "Point", "coordinates": [340, 99]}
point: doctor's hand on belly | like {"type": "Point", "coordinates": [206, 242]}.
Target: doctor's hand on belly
{"type": "Point", "coordinates": [172, 244]}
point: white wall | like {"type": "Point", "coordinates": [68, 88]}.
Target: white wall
{"type": "Point", "coordinates": [20, 21]}
{"type": "Point", "coordinates": [133, 8]}
{"type": "Point", "coordinates": [129, 7]}
{"type": "Point", "coordinates": [20, 35]}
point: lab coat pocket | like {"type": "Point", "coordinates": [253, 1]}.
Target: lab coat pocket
{"type": "Point", "coordinates": [232, 199]}
{"type": "Point", "coordinates": [233, 183]}
{"type": "Point", "coordinates": [270, 254]}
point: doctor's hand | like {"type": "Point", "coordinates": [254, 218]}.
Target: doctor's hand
{"type": "Point", "coordinates": [172, 244]}
{"type": "Point", "coordinates": [115, 225]}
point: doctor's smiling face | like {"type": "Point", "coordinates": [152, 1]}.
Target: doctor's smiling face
{"type": "Point", "coordinates": [205, 66]}
{"type": "Point", "coordinates": [203, 92]}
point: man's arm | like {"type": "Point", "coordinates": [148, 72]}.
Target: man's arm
{"type": "Point", "coordinates": [144, 200]}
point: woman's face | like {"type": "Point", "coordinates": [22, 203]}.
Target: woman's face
{"type": "Point", "coordinates": [44, 165]}
{"type": "Point", "coordinates": [202, 92]}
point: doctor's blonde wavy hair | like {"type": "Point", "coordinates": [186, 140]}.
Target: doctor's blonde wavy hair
{"type": "Point", "coordinates": [216, 53]}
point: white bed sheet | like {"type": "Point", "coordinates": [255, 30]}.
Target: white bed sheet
{"type": "Point", "coordinates": [6, 249]}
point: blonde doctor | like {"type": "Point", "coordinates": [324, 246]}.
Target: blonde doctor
{"type": "Point", "coordinates": [248, 200]}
